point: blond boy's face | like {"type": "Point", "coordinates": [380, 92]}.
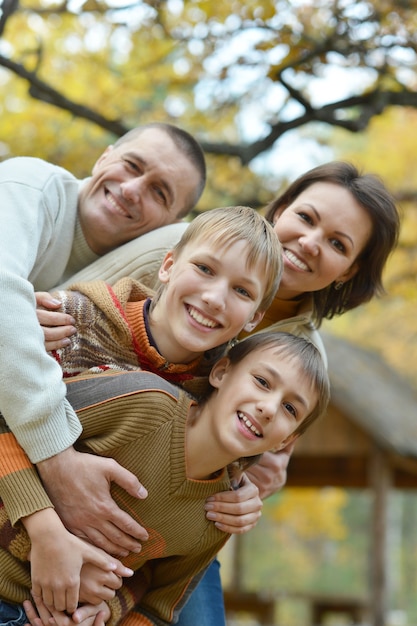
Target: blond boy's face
{"type": "Point", "coordinates": [209, 297]}
{"type": "Point", "coordinates": [260, 402]}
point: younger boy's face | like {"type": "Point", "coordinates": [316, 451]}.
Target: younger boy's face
{"type": "Point", "coordinates": [260, 401]}
{"type": "Point", "coordinates": [210, 296]}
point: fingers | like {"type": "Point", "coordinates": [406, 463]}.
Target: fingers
{"type": "Point", "coordinates": [118, 537]}
{"type": "Point", "coordinates": [57, 328]}
{"type": "Point", "coordinates": [61, 597]}
{"type": "Point", "coordinates": [32, 614]}
{"type": "Point", "coordinates": [97, 585]}
{"type": "Point", "coordinates": [128, 481]}
{"type": "Point", "coordinates": [236, 511]}
{"type": "Point", "coordinates": [236, 525]}
{"type": "Point", "coordinates": [45, 300]}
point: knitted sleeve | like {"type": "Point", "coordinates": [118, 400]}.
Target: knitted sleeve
{"type": "Point", "coordinates": [18, 476]}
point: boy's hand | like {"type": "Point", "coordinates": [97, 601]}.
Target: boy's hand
{"type": "Point", "coordinates": [57, 327]}
{"type": "Point", "coordinates": [236, 511]}
{"type": "Point", "coordinates": [87, 615]}
{"type": "Point", "coordinates": [97, 585]}
{"type": "Point", "coordinates": [85, 505]}
{"type": "Point", "coordinates": [270, 473]}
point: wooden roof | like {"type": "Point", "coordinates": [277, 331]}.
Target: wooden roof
{"type": "Point", "coordinates": [371, 406]}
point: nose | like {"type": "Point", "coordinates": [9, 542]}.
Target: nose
{"type": "Point", "coordinates": [310, 243]}
{"type": "Point", "coordinates": [215, 295]}
{"type": "Point", "coordinates": [267, 408]}
{"type": "Point", "coordinates": [131, 190]}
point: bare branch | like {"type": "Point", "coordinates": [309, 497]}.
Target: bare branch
{"type": "Point", "coordinates": [40, 90]}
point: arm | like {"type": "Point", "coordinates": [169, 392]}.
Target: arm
{"type": "Point", "coordinates": [31, 389]}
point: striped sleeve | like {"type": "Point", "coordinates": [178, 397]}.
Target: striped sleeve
{"type": "Point", "coordinates": [18, 476]}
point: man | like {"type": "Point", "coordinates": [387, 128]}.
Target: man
{"type": "Point", "coordinates": [53, 226]}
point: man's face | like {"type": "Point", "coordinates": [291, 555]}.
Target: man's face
{"type": "Point", "coordinates": [135, 187]}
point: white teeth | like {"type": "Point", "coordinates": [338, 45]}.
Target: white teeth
{"type": "Point", "coordinates": [296, 261]}
{"type": "Point", "coordinates": [117, 206]}
{"type": "Point", "coordinates": [204, 321]}
{"type": "Point", "coordinates": [249, 424]}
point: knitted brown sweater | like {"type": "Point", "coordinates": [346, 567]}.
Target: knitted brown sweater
{"type": "Point", "coordinates": [138, 419]}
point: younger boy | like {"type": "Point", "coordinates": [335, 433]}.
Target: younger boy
{"type": "Point", "coordinates": [264, 393]}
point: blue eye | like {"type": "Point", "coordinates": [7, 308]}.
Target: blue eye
{"type": "Point", "coordinates": [290, 408]}
{"type": "Point", "coordinates": [262, 382]}
{"type": "Point", "coordinates": [203, 268]}
{"type": "Point", "coordinates": [243, 292]}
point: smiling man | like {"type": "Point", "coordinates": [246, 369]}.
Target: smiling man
{"type": "Point", "coordinates": [53, 225]}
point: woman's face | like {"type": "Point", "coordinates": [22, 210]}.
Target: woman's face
{"type": "Point", "coordinates": [322, 234]}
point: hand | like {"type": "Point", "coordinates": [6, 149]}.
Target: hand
{"type": "Point", "coordinates": [270, 473]}
{"type": "Point", "coordinates": [236, 511]}
{"type": "Point", "coordinates": [57, 327]}
{"type": "Point", "coordinates": [57, 558]}
{"type": "Point", "coordinates": [87, 615]}
{"type": "Point", "coordinates": [97, 585]}
{"type": "Point", "coordinates": [85, 504]}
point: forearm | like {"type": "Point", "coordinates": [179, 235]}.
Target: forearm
{"type": "Point", "coordinates": [18, 476]}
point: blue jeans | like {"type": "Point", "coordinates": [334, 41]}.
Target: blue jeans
{"type": "Point", "coordinates": [12, 614]}
{"type": "Point", "coordinates": [205, 606]}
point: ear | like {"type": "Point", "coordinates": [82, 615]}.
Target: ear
{"type": "Point", "coordinates": [218, 372]}
{"type": "Point", "coordinates": [353, 269]}
{"type": "Point", "coordinates": [102, 158]}
{"type": "Point", "coordinates": [166, 267]}
{"type": "Point", "coordinates": [249, 326]}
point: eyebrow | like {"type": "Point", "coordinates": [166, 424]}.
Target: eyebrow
{"type": "Point", "coordinates": [337, 232]}
{"type": "Point", "coordinates": [167, 187]}
{"type": "Point", "coordinates": [216, 260]}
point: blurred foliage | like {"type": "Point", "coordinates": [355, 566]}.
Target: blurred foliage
{"type": "Point", "coordinates": [238, 74]}
{"type": "Point", "coordinates": [388, 325]}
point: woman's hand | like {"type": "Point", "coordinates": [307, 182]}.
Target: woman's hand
{"type": "Point", "coordinates": [270, 473]}
{"type": "Point", "coordinates": [57, 327]}
{"type": "Point", "coordinates": [236, 511]}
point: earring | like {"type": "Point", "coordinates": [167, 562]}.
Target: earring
{"type": "Point", "coordinates": [338, 285]}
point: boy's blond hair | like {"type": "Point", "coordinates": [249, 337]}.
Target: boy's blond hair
{"type": "Point", "coordinates": [225, 226]}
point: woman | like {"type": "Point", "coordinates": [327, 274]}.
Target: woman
{"type": "Point", "coordinates": [337, 228]}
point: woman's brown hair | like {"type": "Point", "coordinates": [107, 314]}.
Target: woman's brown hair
{"type": "Point", "coordinates": [370, 192]}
